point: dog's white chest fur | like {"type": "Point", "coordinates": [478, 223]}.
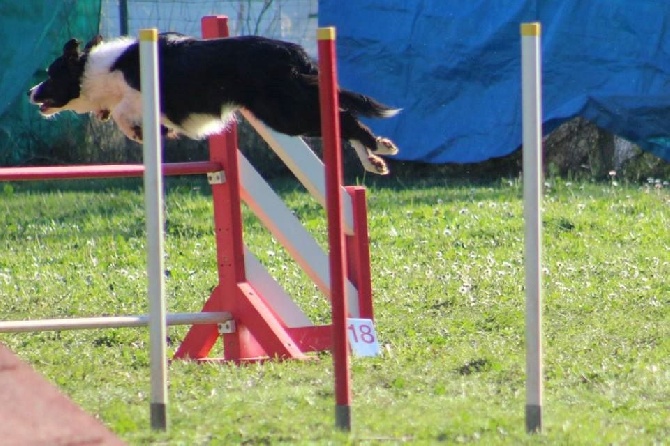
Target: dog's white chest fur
{"type": "Point", "coordinates": [103, 88]}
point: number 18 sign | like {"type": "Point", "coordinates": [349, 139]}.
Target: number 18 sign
{"type": "Point", "coordinates": [362, 337]}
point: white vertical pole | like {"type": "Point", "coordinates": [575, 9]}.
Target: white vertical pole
{"type": "Point", "coordinates": [153, 196]}
{"type": "Point", "coordinates": [531, 86]}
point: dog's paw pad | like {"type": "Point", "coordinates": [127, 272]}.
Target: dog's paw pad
{"type": "Point", "coordinates": [385, 147]}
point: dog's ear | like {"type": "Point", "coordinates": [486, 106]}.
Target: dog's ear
{"type": "Point", "coordinates": [71, 49]}
{"type": "Point", "coordinates": [95, 41]}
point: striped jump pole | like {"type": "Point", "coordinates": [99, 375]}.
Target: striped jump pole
{"type": "Point", "coordinates": [332, 155]}
{"type": "Point", "coordinates": [531, 85]}
{"type": "Point", "coordinates": [153, 196]}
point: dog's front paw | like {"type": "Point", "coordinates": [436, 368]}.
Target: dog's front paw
{"type": "Point", "coordinates": [102, 115]}
{"type": "Point", "coordinates": [136, 134]}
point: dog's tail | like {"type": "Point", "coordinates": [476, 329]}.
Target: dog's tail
{"type": "Point", "coordinates": [359, 104]}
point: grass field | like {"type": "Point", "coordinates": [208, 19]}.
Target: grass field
{"type": "Point", "coordinates": [448, 279]}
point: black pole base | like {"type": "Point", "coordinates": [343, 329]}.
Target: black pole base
{"type": "Point", "coordinates": [533, 419]}
{"type": "Point", "coordinates": [158, 416]}
{"type": "Point", "coordinates": [343, 418]}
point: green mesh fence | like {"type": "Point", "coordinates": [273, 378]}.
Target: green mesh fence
{"type": "Point", "coordinates": [33, 33]}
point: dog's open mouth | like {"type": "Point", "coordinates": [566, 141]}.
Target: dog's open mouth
{"type": "Point", "coordinates": [47, 106]}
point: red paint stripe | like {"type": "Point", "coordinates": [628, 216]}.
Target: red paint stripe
{"type": "Point", "coordinates": [358, 252]}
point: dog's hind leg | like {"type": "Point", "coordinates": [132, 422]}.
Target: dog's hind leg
{"type": "Point", "coordinates": [371, 162]}
{"type": "Point", "coordinates": [385, 147]}
{"type": "Point", "coordinates": [366, 145]}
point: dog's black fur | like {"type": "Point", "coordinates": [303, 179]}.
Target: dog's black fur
{"type": "Point", "coordinates": [202, 82]}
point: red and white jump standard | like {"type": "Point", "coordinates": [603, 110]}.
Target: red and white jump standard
{"type": "Point", "coordinates": [248, 309]}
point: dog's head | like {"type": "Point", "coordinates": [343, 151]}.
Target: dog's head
{"type": "Point", "coordinates": [62, 89]}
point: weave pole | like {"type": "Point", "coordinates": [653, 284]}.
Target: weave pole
{"type": "Point", "coordinates": [330, 128]}
{"type": "Point", "coordinates": [531, 86]}
{"type": "Point", "coordinates": [153, 198]}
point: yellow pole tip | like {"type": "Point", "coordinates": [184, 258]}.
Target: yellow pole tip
{"type": "Point", "coordinates": [531, 29]}
{"type": "Point", "coordinates": [326, 33]}
{"type": "Point", "coordinates": [149, 35]}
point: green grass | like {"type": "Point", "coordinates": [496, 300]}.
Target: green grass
{"type": "Point", "coordinates": [448, 281]}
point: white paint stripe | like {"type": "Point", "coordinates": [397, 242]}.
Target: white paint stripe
{"type": "Point", "coordinates": [266, 286]}
{"type": "Point", "coordinates": [288, 230]}
{"type": "Point", "coordinates": [89, 323]}
{"type": "Point", "coordinates": [304, 164]}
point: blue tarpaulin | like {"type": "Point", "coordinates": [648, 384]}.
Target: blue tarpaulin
{"type": "Point", "coordinates": [454, 66]}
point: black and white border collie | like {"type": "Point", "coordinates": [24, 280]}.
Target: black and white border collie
{"type": "Point", "coordinates": [202, 83]}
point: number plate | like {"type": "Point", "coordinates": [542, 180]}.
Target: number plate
{"type": "Point", "coordinates": [362, 337]}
